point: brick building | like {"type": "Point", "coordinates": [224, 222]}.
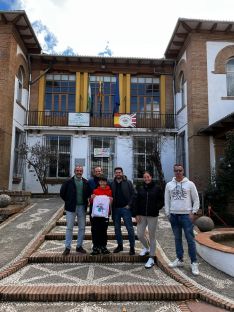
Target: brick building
{"type": "Point", "coordinates": [186, 99]}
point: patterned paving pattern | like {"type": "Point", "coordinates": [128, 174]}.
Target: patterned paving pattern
{"type": "Point", "coordinates": [88, 274]}
{"type": "Point", "coordinates": [58, 246]}
{"type": "Point", "coordinates": [52, 278]}
{"type": "Point", "coordinates": [161, 306]}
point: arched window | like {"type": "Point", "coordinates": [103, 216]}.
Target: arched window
{"type": "Point", "coordinates": [230, 77]}
{"type": "Point", "coordinates": [20, 77]}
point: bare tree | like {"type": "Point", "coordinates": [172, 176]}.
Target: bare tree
{"type": "Point", "coordinates": [39, 157]}
{"type": "Point", "coordinates": [154, 155]}
{"type": "Point", "coordinates": [153, 147]}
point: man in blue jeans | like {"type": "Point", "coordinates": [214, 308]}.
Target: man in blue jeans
{"type": "Point", "coordinates": [75, 193]}
{"type": "Point", "coordinates": [122, 192]}
{"type": "Point", "coordinates": [181, 205]}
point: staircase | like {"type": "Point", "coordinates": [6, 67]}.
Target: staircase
{"type": "Point", "coordinates": [50, 276]}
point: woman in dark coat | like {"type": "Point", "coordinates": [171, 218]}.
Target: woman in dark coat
{"type": "Point", "coordinates": [148, 202]}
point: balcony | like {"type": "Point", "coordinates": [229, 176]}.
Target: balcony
{"type": "Point", "coordinates": [60, 119]}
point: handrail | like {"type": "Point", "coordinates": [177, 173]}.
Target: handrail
{"type": "Point", "coordinates": [56, 118]}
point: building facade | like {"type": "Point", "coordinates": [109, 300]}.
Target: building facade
{"type": "Point", "coordinates": [106, 110]}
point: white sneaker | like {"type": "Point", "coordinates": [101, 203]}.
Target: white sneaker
{"type": "Point", "coordinates": [177, 263]}
{"type": "Point", "coordinates": [149, 263]}
{"type": "Point", "coordinates": [144, 252]}
{"type": "Point", "coordinates": [194, 267]}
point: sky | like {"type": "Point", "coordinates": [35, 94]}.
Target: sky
{"type": "Point", "coordinates": [125, 28]}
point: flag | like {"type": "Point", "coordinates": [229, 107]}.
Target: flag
{"type": "Point", "coordinates": [90, 101]}
{"type": "Point", "coordinates": [100, 94]}
{"type": "Point", "coordinates": [116, 98]}
{"type": "Point", "coordinates": [124, 120]}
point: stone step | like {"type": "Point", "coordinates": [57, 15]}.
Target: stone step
{"type": "Point", "coordinates": [96, 293]}
{"type": "Point", "coordinates": [61, 236]}
{"type": "Point", "coordinates": [61, 229]}
{"type": "Point", "coordinates": [56, 257]}
{"type": "Point", "coordinates": [64, 223]}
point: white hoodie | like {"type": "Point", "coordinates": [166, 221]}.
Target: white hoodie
{"type": "Point", "coordinates": [181, 197]}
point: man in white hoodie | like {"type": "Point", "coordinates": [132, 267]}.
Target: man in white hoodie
{"type": "Point", "coordinates": [181, 205]}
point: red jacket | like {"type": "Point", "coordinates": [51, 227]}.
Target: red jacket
{"type": "Point", "coordinates": [100, 191]}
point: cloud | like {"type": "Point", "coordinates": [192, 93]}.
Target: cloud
{"type": "Point", "coordinates": [135, 28]}
{"type": "Point", "coordinates": [47, 39]}
{"type": "Point", "coordinates": [68, 51]}
{"type": "Point", "coordinates": [107, 51]}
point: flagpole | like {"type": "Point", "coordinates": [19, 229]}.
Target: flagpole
{"type": "Point", "coordinates": [100, 98]}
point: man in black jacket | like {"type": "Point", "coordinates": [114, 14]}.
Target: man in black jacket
{"type": "Point", "coordinates": [123, 193]}
{"type": "Point", "coordinates": [75, 193]}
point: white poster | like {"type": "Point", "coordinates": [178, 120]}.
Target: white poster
{"type": "Point", "coordinates": [101, 152]}
{"type": "Point", "coordinates": [78, 119]}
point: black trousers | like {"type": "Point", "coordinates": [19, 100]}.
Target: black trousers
{"type": "Point", "coordinates": [99, 227]}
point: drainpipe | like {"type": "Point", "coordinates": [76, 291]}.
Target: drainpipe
{"type": "Point", "coordinates": [174, 97]}
{"type": "Point", "coordinates": [28, 102]}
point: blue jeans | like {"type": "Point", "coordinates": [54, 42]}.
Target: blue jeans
{"type": "Point", "coordinates": [127, 217]}
{"type": "Point", "coordinates": [81, 219]}
{"type": "Point", "coordinates": [179, 222]}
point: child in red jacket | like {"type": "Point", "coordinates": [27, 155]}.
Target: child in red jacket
{"type": "Point", "coordinates": [99, 225]}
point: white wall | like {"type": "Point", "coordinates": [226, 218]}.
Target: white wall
{"type": "Point", "coordinates": [18, 122]}
{"type": "Point", "coordinates": [124, 155]}
{"type": "Point", "coordinates": [217, 87]}
{"type": "Point", "coordinates": [212, 154]}
{"type": "Point", "coordinates": [79, 150]}
{"type": "Point", "coordinates": [123, 158]}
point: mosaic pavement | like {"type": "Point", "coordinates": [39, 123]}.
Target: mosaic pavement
{"type": "Point", "coordinates": [31, 227]}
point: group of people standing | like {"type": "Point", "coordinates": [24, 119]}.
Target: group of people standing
{"type": "Point", "coordinates": [125, 202]}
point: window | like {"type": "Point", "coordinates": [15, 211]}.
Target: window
{"type": "Point", "coordinates": [60, 93]}
{"type": "Point", "coordinates": [18, 161]}
{"type": "Point", "coordinates": [230, 77]}
{"type": "Point", "coordinates": [20, 77]}
{"type": "Point", "coordinates": [102, 154]}
{"type": "Point", "coordinates": [61, 145]}
{"type": "Point", "coordinates": [143, 153]}
{"type": "Point", "coordinates": [103, 90]}
{"type": "Point", "coordinates": [180, 150]}
{"type": "Point", "coordinates": [182, 90]}
{"type": "Point", "coordinates": [145, 94]}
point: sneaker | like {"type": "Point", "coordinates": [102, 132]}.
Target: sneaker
{"type": "Point", "coordinates": [81, 250]}
{"type": "Point", "coordinates": [194, 267]}
{"type": "Point", "coordinates": [66, 251]}
{"type": "Point", "coordinates": [149, 263]}
{"type": "Point", "coordinates": [96, 251]}
{"type": "Point", "coordinates": [144, 252]}
{"type": "Point", "coordinates": [105, 251]}
{"type": "Point", "coordinates": [118, 249]}
{"type": "Point", "coordinates": [175, 264]}
{"type": "Point", "coordinates": [132, 251]}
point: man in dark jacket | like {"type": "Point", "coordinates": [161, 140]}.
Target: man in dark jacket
{"type": "Point", "coordinates": [93, 181]}
{"type": "Point", "coordinates": [123, 193]}
{"type": "Point", "coordinates": [75, 193]}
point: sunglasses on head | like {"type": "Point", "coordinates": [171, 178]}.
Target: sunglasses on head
{"type": "Point", "coordinates": [178, 170]}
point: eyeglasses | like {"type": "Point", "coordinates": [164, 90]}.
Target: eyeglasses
{"type": "Point", "coordinates": [178, 170]}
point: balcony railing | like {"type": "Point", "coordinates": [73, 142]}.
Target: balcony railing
{"type": "Point", "coordinates": [143, 120]}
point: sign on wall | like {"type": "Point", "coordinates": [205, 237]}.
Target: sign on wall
{"type": "Point", "coordinates": [125, 120]}
{"type": "Point", "coordinates": [101, 152]}
{"type": "Point", "coordinates": [79, 119]}
{"type": "Point", "coordinates": [80, 162]}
